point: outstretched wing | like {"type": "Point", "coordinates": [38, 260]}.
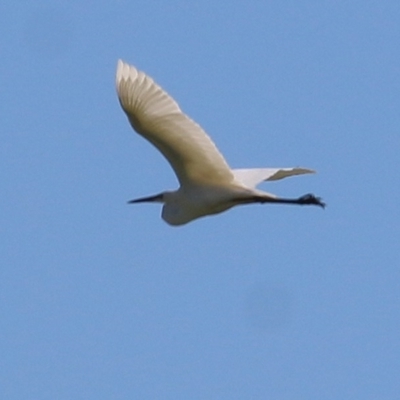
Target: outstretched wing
{"type": "Point", "coordinates": [158, 118]}
{"type": "Point", "coordinates": [252, 177]}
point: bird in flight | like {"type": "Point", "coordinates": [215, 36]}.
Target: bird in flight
{"type": "Point", "coordinates": [207, 184]}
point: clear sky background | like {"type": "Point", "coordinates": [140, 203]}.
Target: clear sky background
{"type": "Point", "coordinates": [103, 300]}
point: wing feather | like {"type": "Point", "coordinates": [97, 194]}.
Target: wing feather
{"type": "Point", "coordinates": [252, 177]}
{"type": "Point", "coordinates": [157, 117]}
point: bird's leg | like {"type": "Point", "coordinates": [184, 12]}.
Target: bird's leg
{"type": "Point", "coordinates": [307, 199]}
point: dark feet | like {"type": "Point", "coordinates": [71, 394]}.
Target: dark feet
{"type": "Point", "coordinates": [310, 199]}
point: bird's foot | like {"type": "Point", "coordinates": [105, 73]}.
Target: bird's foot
{"type": "Point", "coordinates": [310, 199]}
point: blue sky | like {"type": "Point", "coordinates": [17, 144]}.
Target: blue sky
{"type": "Point", "coordinates": [101, 300]}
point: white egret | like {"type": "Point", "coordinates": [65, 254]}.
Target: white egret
{"type": "Point", "coordinates": [207, 184]}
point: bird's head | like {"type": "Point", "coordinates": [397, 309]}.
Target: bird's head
{"type": "Point", "coordinates": [175, 211]}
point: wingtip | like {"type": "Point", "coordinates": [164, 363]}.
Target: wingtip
{"type": "Point", "coordinates": [307, 170]}
{"type": "Point", "coordinates": [122, 69]}
{"type": "Point", "coordinates": [125, 71]}
{"type": "Point", "coordinates": [118, 75]}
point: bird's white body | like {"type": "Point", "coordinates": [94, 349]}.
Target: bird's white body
{"type": "Point", "coordinates": [207, 184]}
{"type": "Point", "coordinates": [195, 201]}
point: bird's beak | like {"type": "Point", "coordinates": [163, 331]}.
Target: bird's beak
{"type": "Point", "coordinates": [158, 198]}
